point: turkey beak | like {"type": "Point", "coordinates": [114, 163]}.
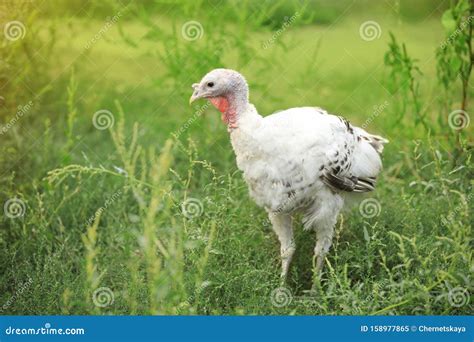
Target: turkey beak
{"type": "Point", "coordinates": [196, 95]}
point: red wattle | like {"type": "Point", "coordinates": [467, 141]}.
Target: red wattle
{"type": "Point", "coordinates": [222, 104]}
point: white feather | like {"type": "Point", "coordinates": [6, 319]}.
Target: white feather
{"type": "Point", "coordinates": [281, 157]}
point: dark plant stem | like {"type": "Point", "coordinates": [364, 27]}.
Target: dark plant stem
{"type": "Point", "coordinates": [465, 78]}
{"type": "Point", "coordinates": [466, 73]}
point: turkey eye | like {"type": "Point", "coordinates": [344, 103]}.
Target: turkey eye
{"type": "Point", "coordinates": [210, 84]}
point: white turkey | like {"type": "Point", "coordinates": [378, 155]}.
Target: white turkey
{"type": "Point", "coordinates": [298, 160]}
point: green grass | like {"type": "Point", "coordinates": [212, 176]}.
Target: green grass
{"type": "Point", "coordinates": [154, 259]}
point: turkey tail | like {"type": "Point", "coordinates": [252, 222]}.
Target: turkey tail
{"type": "Point", "coordinates": [376, 141]}
{"type": "Point", "coordinates": [349, 184]}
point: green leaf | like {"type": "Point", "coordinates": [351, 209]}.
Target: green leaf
{"type": "Point", "coordinates": [463, 6]}
{"type": "Point", "coordinates": [448, 21]}
{"type": "Point", "coordinates": [455, 64]}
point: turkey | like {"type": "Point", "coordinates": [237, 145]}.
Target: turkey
{"type": "Point", "coordinates": [297, 160]}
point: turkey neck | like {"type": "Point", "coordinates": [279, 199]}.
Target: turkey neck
{"type": "Point", "coordinates": [246, 138]}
